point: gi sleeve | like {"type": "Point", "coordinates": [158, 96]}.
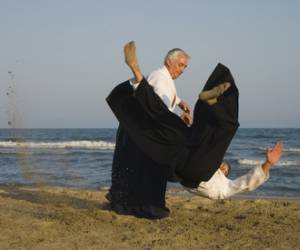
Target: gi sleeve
{"type": "Point", "coordinates": [249, 182]}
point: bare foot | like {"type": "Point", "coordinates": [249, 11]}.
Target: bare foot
{"type": "Point", "coordinates": [214, 92]}
{"type": "Point", "coordinates": [211, 102]}
{"type": "Point", "coordinates": [131, 60]}
{"type": "Point", "coordinates": [130, 54]}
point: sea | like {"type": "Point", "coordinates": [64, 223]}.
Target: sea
{"type": "Point", "coordinates": [82, 158]}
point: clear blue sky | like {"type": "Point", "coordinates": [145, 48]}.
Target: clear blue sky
{"type": "Point", "coordinates": [67, 55]}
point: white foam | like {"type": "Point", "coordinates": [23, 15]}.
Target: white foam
{"type": "Point", "coordinates": [65, 144]}
{"type": "Point", "coordinates": [249, 162]}
{"type": "Point", "coordinates": [259, 162]}
{"type": "Point", "coordinates": [292, 150]}
{"type": "Point", "coordinates": [289, 163]}
{"type": "Point", "coordinates": [296, 150]}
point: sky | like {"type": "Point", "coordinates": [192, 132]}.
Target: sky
{"type": "Point", "coordinates": [60, 59]}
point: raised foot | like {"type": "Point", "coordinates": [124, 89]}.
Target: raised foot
{"type": "Point", "coordinates": [130, 54]}
{"type": "Point", "coordinates": [214, 92]}
{"type": "Point", "coordinates": [132, 62]}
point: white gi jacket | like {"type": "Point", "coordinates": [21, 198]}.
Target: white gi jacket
{"type": "Point", "coordinates": [164, 86]}
{"type": "Point", "coordinates": [220, 187]}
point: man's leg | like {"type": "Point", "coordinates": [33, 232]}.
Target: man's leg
{"type": "Point", "coordinates": [132, 61]}
{"type": "Point", "coordinates": [210, 96]}
{"type": "Point", "coordinates": [215, 123]}
{"type": "Point", "coordinates": [123, 194]}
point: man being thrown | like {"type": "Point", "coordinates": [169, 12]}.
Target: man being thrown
{"type": "Point", "coordinates": [220, 187]}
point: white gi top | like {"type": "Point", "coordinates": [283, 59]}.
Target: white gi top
{"type": "Point", "coordinates": [164, 86]}
{"type": "Point", "coordinates": [220, 187]}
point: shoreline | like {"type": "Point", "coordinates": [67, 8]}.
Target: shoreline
{"type": "Point", "coordinates": [171, 191]}
{"type": "Point", "coordinates": [62, 218]}
{"type": "Point", "coordinates": [242, 196]}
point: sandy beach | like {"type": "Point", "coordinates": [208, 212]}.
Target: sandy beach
{"type": "Point", "coordinates": [61, 218]}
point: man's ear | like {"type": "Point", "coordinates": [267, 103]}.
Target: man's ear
{"type": "Point", "coordinates": [168, 62]}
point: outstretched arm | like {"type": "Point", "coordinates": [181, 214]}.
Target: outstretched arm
{"type": "Point", "coordinates": [248, 182]}
{"type": "Point", "coordinates": [272, 157]}
{"type": "Point", "coordinates": [256, 176]}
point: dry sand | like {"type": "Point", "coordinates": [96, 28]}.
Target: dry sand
{"type": "Point", "coordinates": [60, 218]}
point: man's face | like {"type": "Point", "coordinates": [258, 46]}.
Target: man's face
{"type": "Point", "coordinates": [224, 168]}
{"type": "Point", "coordinates": [177, 65]}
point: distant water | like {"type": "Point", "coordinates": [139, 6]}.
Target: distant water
{"type": "Point", "coordinates": [82, 158]}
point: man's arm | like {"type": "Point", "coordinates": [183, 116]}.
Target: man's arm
{"type": "Point", "coordinates": [187, 118]}
{"type": "Point", "coordinates": [256, 177]}
{"type": "Point", "coordinates": [186, 115]}
{"type": "Point", "coordinates": [184, 107]}
{"type": "Point", "coordinates": [272, 157]}
{"type": "Point", "coordinates": [157, 81]}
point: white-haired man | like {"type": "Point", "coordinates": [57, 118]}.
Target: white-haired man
{"type": "Point", "coordinates": [138, 183]}
{"type": "Point", "coordinates": [162, 79]}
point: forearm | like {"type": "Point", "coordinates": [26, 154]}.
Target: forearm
{"type": "Point", "coordinates": [248, 182]}
{"type": "Point", "coordinates": [180, 103]}
{"type": "Point", "coordinates": [266, 167]}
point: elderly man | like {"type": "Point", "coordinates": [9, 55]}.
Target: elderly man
{"type": "Point", "coordinates": [220, 187]}
{"type": "Point", "coordinates": [138, 183]}
{"type": "Point", "coordinates": [162, 79]}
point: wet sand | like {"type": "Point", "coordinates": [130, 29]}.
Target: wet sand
{"type": "Point", "coordinates": [61, 218]}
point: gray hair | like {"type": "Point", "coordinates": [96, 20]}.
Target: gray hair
{"type": "Point", "coordinates": [228, 166]}
{"type": "Point", "coordinates": [174, 53]}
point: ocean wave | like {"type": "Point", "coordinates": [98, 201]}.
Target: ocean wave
{"type": "Point", "coordinates": [249, 162]}
{"type": "Point", "coordinates": [259, 162]}
{"type": "Point", "coordinates": [65, 144]}
{"type": "Point", "coordinates": [292, 150]}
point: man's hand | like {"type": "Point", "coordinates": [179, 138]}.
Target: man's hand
{"type": "Point", "coordinates": [187, 118]}
{"type": "Point", "coordinates": [185, 107]}
{"type": "Point", "coordinates": [273, 155]}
